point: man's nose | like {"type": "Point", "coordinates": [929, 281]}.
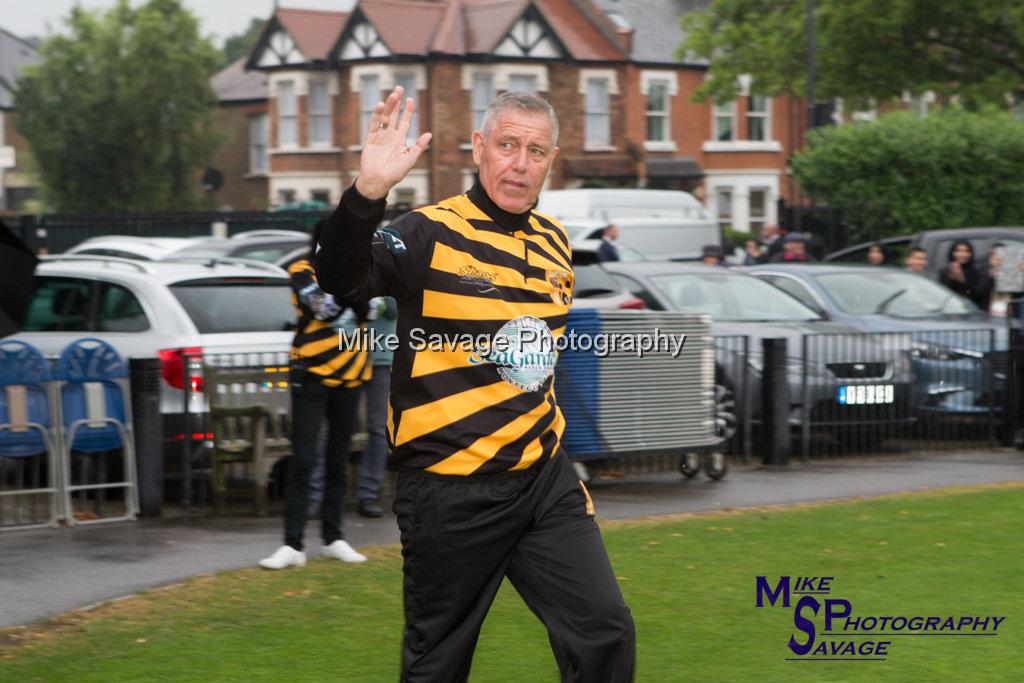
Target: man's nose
{"type": "Point", "coordinates": [519, 162]}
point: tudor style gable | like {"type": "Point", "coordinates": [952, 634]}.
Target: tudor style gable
{"type": "Point", "coordinates": [530, 37]}
{"type": "Point", "coordinates": [279, 49]}
{"type": "Point", "coordinates": [359, 40]}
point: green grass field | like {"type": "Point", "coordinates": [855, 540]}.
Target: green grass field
{"type": "Point", "coordinates": [689, 581]}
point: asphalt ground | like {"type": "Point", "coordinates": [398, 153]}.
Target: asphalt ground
{"type": "Point", "coordinates": [44, 572]}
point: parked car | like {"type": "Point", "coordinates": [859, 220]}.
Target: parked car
{"type": "Point", "coordinates": [268, 246]}
{"type": "Point", "coordinates": [744, 306]}
{"type": "Point", "coordinates": [958, 353]}
{"type": "Point", "coordinates": [165, 310]}
{"type": "Point", "coordinates": [138, 248]}
{"type": "Point", "coordinates": [936, 243]}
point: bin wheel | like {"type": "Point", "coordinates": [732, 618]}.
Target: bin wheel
{"type": "Point", "coordinates": [716, 465]}
{"type": "Point", "coordinates": [689, 465]}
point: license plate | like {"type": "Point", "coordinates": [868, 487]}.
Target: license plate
{"type": "Point", "coordinates": [865, 394]}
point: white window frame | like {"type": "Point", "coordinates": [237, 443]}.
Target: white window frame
{"type": "Point", "coordinates": [722, 111]}
{"type": "Point", "coordinates": [662, 114]}
{"type": "Point", "coordinates": [319, 116]}
{"type": "Point", "coordinates": [368, 98]}
{"type": "Point", "coordinates": [386, 77]}
{"type": "Point", "coordinates": [669, 79]}
{"type": "Point", "coordinates": [725, 220]}
{"type": "Point", "coordinates": [287, 114]}
{"type": "Point", "coordinates": [406, 79]}
{"type": "Point", "coordinates": [527, 77]}
{"type": "Point", "coordinates": [611, 81]}
{"type": "Point", "coordinates": [597, 117]}
{"type": "Point", "coordinates": [478, 106]}
{"type": "Point", "coordinates": [756, 222]}
{"type": "Point", "coordinates": [764, 116]}
{"type": "Point", "coordinates": [258, 143]}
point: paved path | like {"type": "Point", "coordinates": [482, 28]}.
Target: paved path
{"type": "Point", "coordinates": [45, 572]}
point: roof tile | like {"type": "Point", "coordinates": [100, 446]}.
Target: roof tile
{"type": "Point", "coordinates": [314, 31]}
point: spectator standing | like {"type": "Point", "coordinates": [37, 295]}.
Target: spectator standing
{"type": "Point", "coordinates": [324, 383]}
{"type": "Point", "coordinates": [961, 273]}
{"type": "Point", "coordinates": [711, 255]}
{"type": "Point", "coordinates": [752, 253]}
{"type": "Point", "coordinates": [771, 243]}
{"type": "Point", "coordinates": [608, 251]}
{"type": "Point", "coordinates": [877, 255]}
{"type": "Point", "coordinates": [794, 249]}
{"type": "Point", "coordinates": [382, 318]}
{"type": "Point", "coordinates": [916, 261]}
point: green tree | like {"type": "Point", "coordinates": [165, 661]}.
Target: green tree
{"type": "Point", "coordinates": [903, 173]}
{"type": "Point", "coordinates": [240, 44]}
{"type": "Point", "coordinates": [117, 112]}
{"type": "Point", "coordinates": [864, 48]}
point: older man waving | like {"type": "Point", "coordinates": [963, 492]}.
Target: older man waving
{"type": "Point", "coordinates": [483, 489]}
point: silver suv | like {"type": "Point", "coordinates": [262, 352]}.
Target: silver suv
{"type": "Point", "coordinates": [164, 309]}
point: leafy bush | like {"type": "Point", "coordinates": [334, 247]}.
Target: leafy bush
{"type": "Point", "coordinates": [950, 169]}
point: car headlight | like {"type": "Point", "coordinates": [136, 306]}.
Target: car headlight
{"type": "Point", "coordinates": [930, 351]}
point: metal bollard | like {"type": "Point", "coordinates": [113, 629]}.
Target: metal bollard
{"type": "Point", "coordinates": [148, 428]}
{"type": "Point", "coordinates": [775, 402]}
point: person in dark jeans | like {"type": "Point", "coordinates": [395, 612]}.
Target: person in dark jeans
{"type": "Point", "coordinates": [325, 381]}
{"type": "Point", "coordinates": [383, 313]}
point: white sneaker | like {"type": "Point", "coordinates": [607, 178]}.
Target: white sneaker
{"type": "Point", "coordinates": [340, 550]}
{"type": "Point", "coordinates": [285, 556]}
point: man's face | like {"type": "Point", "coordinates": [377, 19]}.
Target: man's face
{"type": "Point", "coordinates": [612, 232]}
{"type": "Point", "coordinates": [917, 261]}
{"type": "Point", "coordinates": [514, 158]}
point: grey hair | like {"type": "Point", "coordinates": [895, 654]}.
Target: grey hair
{"type": "Point", "coordinates": [520, 101]}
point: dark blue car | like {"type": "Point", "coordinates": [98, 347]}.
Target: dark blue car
{"type": "Point", "coordinates": [957, 352]}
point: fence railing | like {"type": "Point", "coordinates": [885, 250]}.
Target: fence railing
{"type": "Point", "coordinates": [868, 393]}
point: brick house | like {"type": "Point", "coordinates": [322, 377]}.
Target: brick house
{"type": "Point", "coordinates": [608, 67]}
{"type": "Point", "coordinates": [241, 119]}
{"type": "Point", "coordinates": [18, 182]}
{"type": "Point", "coordinates": [739, 150]}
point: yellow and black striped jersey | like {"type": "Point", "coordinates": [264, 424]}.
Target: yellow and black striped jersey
{"type": "Point", "coordinates": [316, 347]}
{"type": "Point", "coordinates": [483, 295]}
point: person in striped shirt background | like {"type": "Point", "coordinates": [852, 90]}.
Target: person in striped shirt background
{"type": "Point", "coordinates": [324, 383]}
{"type": "Point", "coordinates": [483, 490]}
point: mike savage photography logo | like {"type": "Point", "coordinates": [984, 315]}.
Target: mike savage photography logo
{"type": "Point", "coordinates": [848, 636]}
{"type": "Point", "coordinates": [520, 337]}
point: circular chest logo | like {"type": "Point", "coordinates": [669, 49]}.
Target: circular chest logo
{"type": "Point", "coordinates": [523, 350]}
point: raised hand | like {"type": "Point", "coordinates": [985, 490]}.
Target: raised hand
{"type": "Point", "coordinates": [386, 158]}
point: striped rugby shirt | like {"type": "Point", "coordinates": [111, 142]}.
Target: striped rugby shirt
{"type": "Point", "coordinates": [461, 270]}
{"type": "Point", "coordinates": [315, 347]}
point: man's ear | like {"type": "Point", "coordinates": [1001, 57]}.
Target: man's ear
{"type": "Point", "coordinates": [554, 153]}
{"type": "Point", "coordinates": [478, 146]}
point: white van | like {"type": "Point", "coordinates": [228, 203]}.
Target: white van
{"type": "Point", "coordinates": [660, 224]}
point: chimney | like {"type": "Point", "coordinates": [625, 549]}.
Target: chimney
{"type": "Point", "coordinates": [625, 36]}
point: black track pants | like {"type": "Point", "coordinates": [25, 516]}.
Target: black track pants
{"type": "Point", "coordinates": [461, 537]}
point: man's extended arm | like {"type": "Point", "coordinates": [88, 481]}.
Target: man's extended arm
{"type": "Point", "coordinates": [346, 265]}
{"type": "Point", "coordinates": [344, 262]}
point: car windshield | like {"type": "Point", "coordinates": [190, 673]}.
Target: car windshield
{"type": "Point", "coordinates": [894, 293]}
{"type": "Point", "coordinates": [237, 304]}
{"type": "Point", "coordinates": [731, 297]}
{"type": "Point", "coordinates": [593, 280]}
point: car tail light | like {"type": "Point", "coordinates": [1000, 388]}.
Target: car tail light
{"type": "Point", "coordinates": [634, 304]}
{"type": "Point", "coordinates": [172, 367]}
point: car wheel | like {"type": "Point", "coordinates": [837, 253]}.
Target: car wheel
{"type": "Point", "coordinates": [716, 465]}
{"type": "Point", "coordinates": [689, 465]}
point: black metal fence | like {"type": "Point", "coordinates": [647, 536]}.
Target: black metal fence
{"type": "Point", "coordinates": [58, 232]}
{"type": "Point", "coordinates": [872, 393]}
